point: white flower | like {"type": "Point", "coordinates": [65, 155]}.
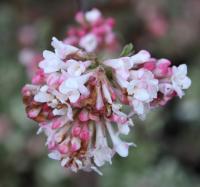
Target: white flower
{"type": "Point", "coordinates": [62, 50]}
{"type": "Point", "coordinates": [141, 57]}
{"type": "Point", "coordinates": [54, 61]}
{"type": "Point", "coordinates": [76, 68]}
{"type": "Point", "coordinates": [70, 87]}
{"type": "Point", "coordinates": [89, 42]}
{"type": "Point", "coordinates": [102, 152]}
{"type": "Point", "coordinates": [179, 79]}
{"type": "Point", "coordinates": [119, 146]}
{"type": "Point", "coordinates": [51, 62]}
{"type": "Point", "coordinates": [55, 155]}
{"type": "Point", "coordinates": [140, 107]}
{"type": "Point", "coordinates": [65, 111]}
{"type": "Point", "coordinates": [99, 100]}
{"type": "Point", "coordinates": [93, 15]}
{"type": "Point", "coordinates": [121, 81]}
{"type": "Point", "coordinates": [73, 87]}
{"type": "Point", "coordinates": [124, 65]}
{"type": "Point", "coordinates": [106, 93]}
{"type": "Point", "coordinates": [42, 96]}
{"type": "Point", "coordinates": [123, 127]}
{"type": "Point", "coordinates": [121, 65]}
{"type": "Point", "coordinates": [166, 88]}
{"type": "Point", "coordinates": [143, 88]}
{"type": "Point", "coordinates": [128, 62]}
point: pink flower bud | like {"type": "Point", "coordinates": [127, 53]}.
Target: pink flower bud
{"type": "Point", "coordinates": [111, 22]}
{"type": "Point", "coordinates": [85, 134]}
{"type": "Point", "coordinates": [51, 145]}
{"type": "Point", "coordinates": [80, 18]}
{"type": "Point", "coordinates": [162, 68]}
{"type": "Point", "coordinates": [34, 113]}
{"type": "Point", "coordinates": [63, 148]}
{"type": "Point", "coordinates": [25, 91]}
{"type": "Point", "coordinates": [74, 148]}
{"type": "Point", "coordinates": [56, 123]}
{"type": "Point", "coordinates": [118, 119]}
{"type": "Point", "coordinates": [83, 116]}
{"type": "Point", "coordinates": [81, 33]}
{"type": "Point", "coordinates": [150, 65]}
{"type": "Point", "coordinates": [76, 131]}
{"type": "Point", "coordinates": [94, 117]}
{"type": "Point", "coordinates": [46, 108]}
{"type": "Point", "coordinates": [99, 31]}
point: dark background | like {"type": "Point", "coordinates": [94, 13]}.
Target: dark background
{"type": "Point", "coordinates": [168, 151]}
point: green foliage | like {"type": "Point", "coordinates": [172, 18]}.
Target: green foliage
{"type": "Point", "coordinates": [128, 50]}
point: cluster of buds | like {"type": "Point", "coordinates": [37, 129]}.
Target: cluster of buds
{"type": "Point", "coordinates": [147, 82]}
{"type": "Point", "coordinates": [94, 33]}
{"type": "Point", "coordinates": [78, 101]}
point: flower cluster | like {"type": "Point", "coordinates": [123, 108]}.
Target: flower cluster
{"type": "Point", "coordinates": [78, 101]}
{"type": "Point", "coordinates": [94, 32]}
{"type": "Point", "coordinates": [148, 82]}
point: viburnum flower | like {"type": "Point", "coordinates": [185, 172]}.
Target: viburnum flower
{"type": "Point", "coordinates": [179, 79]}
{"type": "Point", "coordinates": [94, 32]}
{"type": "Point", "coordinates": [148, 82]}
{"type": "Point", "coordinates": [78, 100]}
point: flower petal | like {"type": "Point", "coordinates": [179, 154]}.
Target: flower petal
{"type": "Point", "coordinates": [55, 155]}
{"type": "Point", "coordinates": [43, 97]}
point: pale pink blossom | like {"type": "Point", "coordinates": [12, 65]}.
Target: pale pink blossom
{"type": "Point", "coordinates": [93, 15]}
{"type": "Point", "coordinates": [179, 79]}
{"type": "Point", "coordinates": [42, 96]}
{"type": "Point", "coordinates": [63, 50]}
{"type": "Point", "coordinates": [75, 68]}
{"type": "Point", "coordinates": [123, 65]}
{"type": "Point", "coordinates": [74, 87]}
{"type": "Point", "coordinates": [102, 151]}
{"type": "Point", "coordinates": [142, 85]}
{"type": "Point", "coordinates": [119, 146]}
{"type": "Point", "coordinates": [142, 88]}
{"type": "Point", "coordinates": [51, 62]}
{"type": "Point", "coordinates": [89, 42]}
{"type": "Point", "coordinates": [94, 32]}
{"type": "Point", "coordinates": [78, 101]}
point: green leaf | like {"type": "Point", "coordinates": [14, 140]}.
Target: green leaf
{"type": "Point", "coordinates": [127, 50]}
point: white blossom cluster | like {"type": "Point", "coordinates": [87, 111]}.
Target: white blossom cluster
{"type": "Point", "coordinates": [78, 101]}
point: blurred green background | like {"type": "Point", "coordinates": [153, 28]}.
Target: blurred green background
{"type": "Point", "coordinates": [168, 151]}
